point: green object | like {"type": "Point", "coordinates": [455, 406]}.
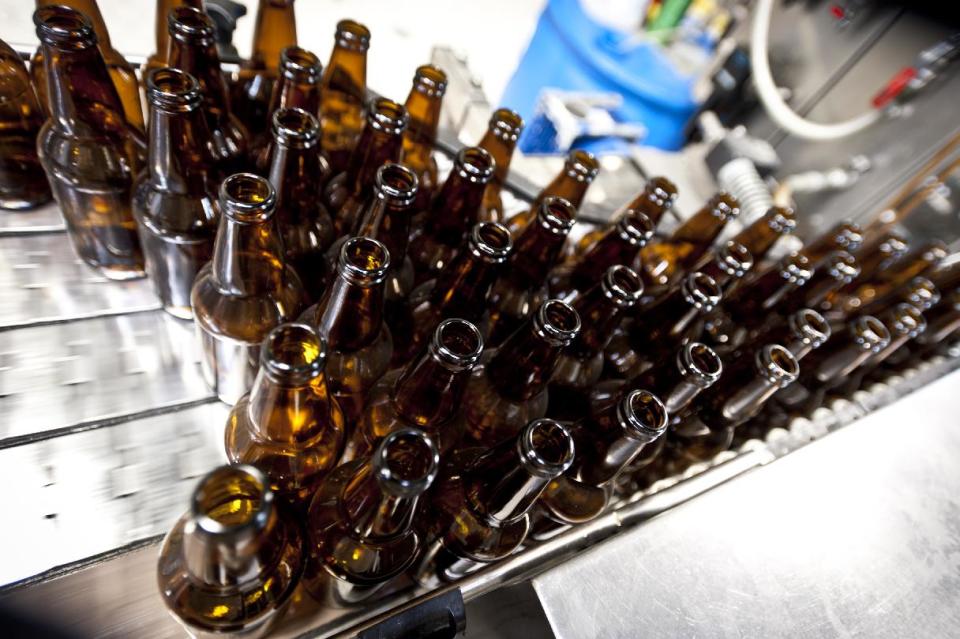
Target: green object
{"type": "Point", "coordinates": [670, 14]}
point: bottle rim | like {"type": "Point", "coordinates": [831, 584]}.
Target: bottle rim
{"type": "Point", "coordinates": [296, 61]}
{"type": "Point", "coordinates": [491, 242]}
{"type": "Point", "coordinates": [557, 322]}
{"type": "Point", "coordinates": [387, 116]}
{"type": "Point", "coordinates": [205, 499]}
{"type": "Point", "coordinates": [173, 90]}
{"type": "Point", "coordinates": [635, 227]}
{"type": "Point", "coordinates": [922, 293]}
{"type": "Point", "coordinates": [777, 364]}
{"type": "Point", "coordinates": [781, 219]}
{"type": "Point", "coordinates": [457, 343]}
{"type": "Point", "coordinates": [581, 165]}
{"type": "Point", "coordinates": [397, 184]}
{"type": "Point", "coordinates": [363, 261]}
{"type": "Point", "coordinates": [661, 191]}
{"type": "Point", "coordinates": [430, 80]}
{"type": "Point", "coordinates": [869, 333]}
{"type": "Point", "coordinates": [556, 215]}
{"type": "Point", "coordinates": [905, 320]}
{"type": "Point", "coordinates": [295, 128]}
{"type": "Point", "coordinates": [734, 259]}
{"type": "Point", "coordinates": [407, 480]}
{"type": "Point", "coordinates": [506, 125]}
{"type": "Point", "coordinates": [622, 286]}
{"type": "Point", "coordinates": [188, 24]}
{"type": "Point", "coordinates": [644, 414]}
{"type": "Point", "coordinates": [810, 327]}
{"type": "Point", "coordinates": [701, 291]}
{"type": "Point", "coordinates": [699, 363]}
{"type": "Point", "coordinates": [842, 266]}
{"type": "Point", "coordinates": [546, 448]}
{"type": "Point", "coordinates": [293, 352]}
{"type": "Point", "coordinates": [64, 27]}
{"type": "Point", "coordinates": [724, 206]}
{"type": "Point", "coordinates": [352, 36]}
{"type": "Point", "coordinates": [848, 237]}
{"type": "Point", "coordinates": [475, 165]}
{"type": "Point", "coordinates": [796, 269]}
{"type": "Point", "coordinates": [248, 198]}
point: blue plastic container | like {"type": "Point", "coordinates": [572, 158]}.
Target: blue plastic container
{"type": "Point", "coordinates": [569, 51]}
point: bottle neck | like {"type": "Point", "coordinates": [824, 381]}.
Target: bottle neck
{"type": "Point", "coordinates": [501, 150]}
{"type": "Point", "coordinates": [759, 237]}
{"type": "Point", "coordinates": [202, 62]}
{"type": "Point", "coordinates": [294, 93]}
{"type": "Point", "coordinates": [293, 171]}
{"type": "Point", "coordinates": [346, 74]}
{"type": "Point", "coordinates": [350, 316]}
{"type": "Point", "coordinates": [292, 414]}
{"type": "Point", "coordinates": [746, 386]}
{"type": "Point", "coordinates": [428, 392]}
{"type": "Point", "coordinates": [700, 230]}
{"type": "Point", "coordinates": [275, 29]}
{"type": "Point", "coordinates": [462, 288]}
{"type": "Point", "coordinates": [666, 322]}
{"type": "Point", "coordinates": [499, 486]}
{"type": "Point", "coordinates": [614, 247]}
{"type": "Point", "coordinates": [522, 366]}
{"type": "Point", "coordinates": [943, 320]}
{"type": "Point", "coordinates": [421, 134]}
{"type": "Point", "coordinates": [374, 149]}
{"type": "Point", "coordinates": [600, 314]}
{"type": "Point", "coordinates": [694, 368]}
{"type": "Point", "coordinates": [390, 224]}
{"type": "Point", "coordinates": [535, 252]}
{"type": "Point", "coordinates": [247, 257]}
{"type": "Point", "coordinates": [178, 158]}
{"type": "Point", "coordinates": [373, 513]}
{"type": "Point", "coordinates": [91, 10]}
{"type": "Point", "coordinates": [454, 211]}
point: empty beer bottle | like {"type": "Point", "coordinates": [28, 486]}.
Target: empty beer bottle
{"type": "Point", "coordinates": [88, 150]}
{"type": "Point", "coordinates": [350, 318]}
{"type": "Point", "coordinates": [947, 278]}
{"type": "Point", "coordinates": [664, 262]}
{"type": "Point", "coordinates": [232, 561]}
{"type": "Point", "coordinates": [246, 289]}
{"type": "Point", "coordinates": [499, 141]}
{"type": "Point", "coordinates": [656, 198]}
{"type": "Point", "coordinates": [759, 237]}
{"type": "Point", "coordinates": [845, 236]}
{"type": "Point", "coordinates": [460, 290]}
{"type": "Point", "coordinates": [510, 388]}
{"type": "Point", "coordinates": [423, 105]}
{"type": "Point", "coordinates": [121, 74]}
{"type": "Point", "coordinates": [274, 30]}
{"type": "Point", "coordinates": [834, 272]}
{"type": "Point", "coordinates": [760, 294]}
{"type": "Point", "coordinates": [381, 142]}
{"type": "Point", "coordinates": [23, 185]}
{"type": "Point", "coordinates": [578, 173]}
{"type": "Point", "coordinates": [175, 197]}
{"type": "Point", "coordinates": [480, 502]}
{"type": "Point", "coordinates": [802, 332]}
{"type": "Point", "coordinates": [298, 87]}
{"type": "Point", "coordinates": [943, 322]}
{"type": "Point", "coordinates": [361, 529]}
{"type": "Point", "coordinates": [158, 59]}
{"type": "Point", "coordinates": [522, 288]}
{"type": "Point", "coordinates": [451, 214]}
{"type": "Point", "coordinates": [193, 49]}
{"type": "Point", "coordinates": [600, 308]}
{"type": "Point", "coordinates": [343, 91]}
{"type": "Point", "coordinates": [920, 293]}
{"type": "Point", "coordinates": [875, 257]}
{"type": "Point", "coordinates": [728, 265]}
{"type": "Point", "coordinates": [426, 394]}
{"type": "Point", "coordinates": [657, 329]}
{"type": "Point", "coordinates": [618, 244]}
{"type": "Point", "coordinates": [905, 323]}
{"type": "Point", "coordinates": [878, 293]}
{"type": "Point", "coordinates": [303, 220]}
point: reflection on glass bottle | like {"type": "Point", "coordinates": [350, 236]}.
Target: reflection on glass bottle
{"type": "Point", "coordinates": [728, 265]}
{"type": "Point", "coordinates": [360, 525]}
{"type": "Point", "coordinates": [758, 238]}
{"type": "Point", "coordinates": [23, 184]}
{"type": "Point", "coordinates": [654, 201]}
{"type": "Point", "coordinates": [499, 141]}
{"type": "Point", "coordinates": [174, 198]}
{"type": "Point", "coordinates": [845, 236]}
{"type": "Point", "coordinates": [423, 104]}
{"type": "Point", "coordinates": [246, 290]}
{"type": "Point", "coordinates": [88, 149]}
{"type": "Point", "coordinates": [879, 293]}
{"type": "Point", "coordinates": [833, 272]}
{"type": "Point", "coordinates": [158, 59]}
{"type": "Point", "coordinates": [230, 565]}
{"type": "Point", "coordinates": [343, 92]}
{"type": "Point", "coordinates": [579, 171]}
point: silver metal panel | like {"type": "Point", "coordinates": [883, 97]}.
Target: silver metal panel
{"type": "Point", "coordinates": [44, 219]}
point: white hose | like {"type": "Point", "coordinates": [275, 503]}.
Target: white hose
{"type": "Point", "coordinates": [769, 96]}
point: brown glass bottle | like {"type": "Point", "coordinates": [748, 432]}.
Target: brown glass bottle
{"type": "Point", "coordinates": [158, 59]}
{"type": "Point", "coordinates": [193, 49]}
{"type": "Point", "coordinates": [451, 214]}
{"type": "Point", "coordinates": [833, 273]}
{"type": "Point", "coordinates": [88, 150]}
{"type": "Point", "coordinates": [728, 265]}
{"type": "Point", "coordinates": [600, 308]}
{"type": "Point", "coordinates": [121, 74]}
{"type": "Point", "coordinates": [460, 290]}
{"type": "Point", "coordinates": [426, 394]}
{"type": "Point", "coordinates": [920, 293]}
{"type": "Point", "coordinates": [654, 201]}
{"type": "Point", "coordinates": [579, 171]}
{"type": "Point", "coordinates": [947, 278]}
{"type": "Point", "coordinates": [288, 425]}
{"type": "Point", "coordinates": [343, 93]}
{"type": "Point", "coordinates": [349, 316]}
{"type": "Point", "coordinates": [905, 323]}
{"type": "Point", "coordinates": [522, 287]}
{"type": "Point", "coordinates": [298, 87]}
{"type": "Point", "coordinates": [175, 197]}
{"type": "Point", "coordinates": [618, 244]}
{"type": "Point", "coordinates": [657, 329]}
{"type": "Point", "coordinates": [499, 141]}
{"type": "Point", "coordinates": [246, 289]}
{"type": "Point", "coordinates": [423, 104]}
{"type": "Point", "coordinates": [665, 262]}
{"type": "Point", "coordinates": [23, 184]}
{"type": "Point", "coordinates": [232, 561]}
{"type": "Point", "coordinates": [361, 529]}
{"type": "Point", "coordinates": [509, 388]}
{"type": "Point", "coordinates": [759, 237]}
{"type": "Point", "coordinates": [759, 294]}
{"type": "Point", "coordinates": [878, 293]}
{"type": "Point", "coordinates": [381, 142]}
{"type": "Point", "coordinates": [874, 258]}
{"type": "Point", "coordinates": [480, 502]}
{"type": "Point", "coordinates": [800, 333]}
{"type": "Point", "coordinates": [943, 322]}
{"type": "Point", "coordinates": [845, 236]}
{"type": "Point", "coordinates": [304, 223]}
{"type": "Point", "coordinates": [274, 30]}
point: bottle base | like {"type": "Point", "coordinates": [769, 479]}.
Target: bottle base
{"type": "Point", "coordinates": [119, 274]}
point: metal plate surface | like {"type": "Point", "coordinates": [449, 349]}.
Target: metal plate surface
{"type": "Point", "coordinates": [43, 219]}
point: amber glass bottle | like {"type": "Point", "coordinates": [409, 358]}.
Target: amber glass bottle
{"type": "Point", "coordinates": [756, 298]}
{"type": "Point", "coordinates": [194, 50]}
{"type": "Point", "coordinates": [499, 141]}
{"type": "Point", "coordinates": [657, 329]}
{"type": "Point", "coordinates": [231, 563]}
{"type": "Point", "coordinates": [246, 290]}
{"type": "Point", "coordinates": [361, 529]}
{"type": "Point", "coordinates": [350, 318]}
{"type": "Point", "coordinates": [800, 333]}
{"type": "Point", "coordinates": [618, 244]}
{"type": "Point", "coordinates": [451, 214]}
{"type": "Point", "coordinates": [654, 201]}
{"type": "Point", "coordinates": [905, 323]}
{"type": "Point", "coordinates": [845, 236]}
{"type": "Point", "coordinates": [920, 293]}
{"type": "Point", "coordinates": [158, 59]}
{"type": "Point", "coordinates": [728, 265]}
{"type": "Point", "coordinates": [274, 30]}
{"type": "Point", "coordinates": [879, 292]}
{"type": "Point", "coordinates": [876, 257]}
{"type": "Point", "coordinates": [175, 197]}
{"type": "Point", "coordinates": [600, 308]}
{"type": "Point", "coordinates": [579, 171]}
{"type": "Point", "coordinates": [427, 393]}
{"type": "Point", "coordinates": [121, 74]}
{"type": "Point", "coordinates": [665, 262]}
{"type": "Point", "coordinates": [89, 151]}
{"type": "Point", "coordinates": [423, 104]}
{"type": "Point", "coordinates": [381, 142]}
{"type": "Point", "coordinates": [834, 272]}
{"type": "Point", "coordinates": [23, 184]}
{"type": "Point", "coordinates": [510, 388]}
{"type": "Point", "coordinates": [759, 237]}
{"type": "Point", "coordinates": [343, 91]}
{"type": "Point", "coordinates": [522, 288]}
{"type": "Point", "coordinates": [943, 322]}
{"type": "Point", "coordinates": [479, 505]}
{"type": "Point", "coordinates": [460, 290]}
{"type": "Point", "coordinates": [303, 220]}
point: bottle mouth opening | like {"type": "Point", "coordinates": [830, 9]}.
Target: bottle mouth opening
{"type": "Point", "coordinates": [893, 245]}
{"type": "Point", "coordinates": [724, 206]}
{"type": "Point", "coordinates": [922, 293]}
{"type": "Point", "coordinates": [700, 362]}
{"type": "Point", "coordinates": [387, 116]}
{"type": "Point", "coordinates": [293, 352]}
{"type": "Point", "coordinates": [430, 81]}
{"type": "Point", "coordinates": [295, 127]}
{"type": "Point", "coordinates": [62, 25]}
{"type": "Point", "coordinates": [458, 343]}
{"type": "Point", "coordinates": [734, 259]}
{"type": "Point", "coordinates": [843, 266]}
{"type": "Point", "coordinates": [636, 227]}
{"type": "Point", "coordinates": [870, 333]}
{"type": "Point", "coordinates": [811, 326]}
{"type": "Point", "coordinates": [546, 447]}
{"type": "Point", "coordinates": [645, 413]}
{"type": "Point", "coordinates": [364, 260]}
{"type": "Point", "coordinates": [556, 215]}
{"type": "Point", "coordinates": [661, 191]}
{"type": "Point", "coordinates": [582, 165]}
{"type": "Point", "coordinates": [353, 36]}
{"type": "Point", "coordinates": [557, 322]}
{"type": "Point", "coordinates": [189, 24]}
{"type": "Point", "coordinates": [907, 320]}
{"type": "Point", "coordinates": [850, 237]}
{"type": "Point", "coordinates": [506, 125]}
{"type": "Point", "coordinates": [778, 364]}
{"type": "Point", "coordinates": [230, 499]}
{"type": "Point", "coordinates": [397, 183]}
{"type": "Point", "coordinates": [475, 165]}
{"type": "Point", "coordinates": [782, 219]}
{"type": "Point", "coordinates": [491, 240]}
{"type": "Point", "coordinates": [935, 251]}
{"type": "Point", "coordinates": [796, 269]}
{"type": "Point", "coordinates": [407, 462]}
{"type": "Point", "coordinates": [622, 285]}
{"type": "Point", "coordinates": [173, 90]}
{"type": "Point", "coordinates": [295, 61]}
{"type": "Point", "coordinates": [246, 197]}
{"type": "Point", "coordinates": [701, 291]}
